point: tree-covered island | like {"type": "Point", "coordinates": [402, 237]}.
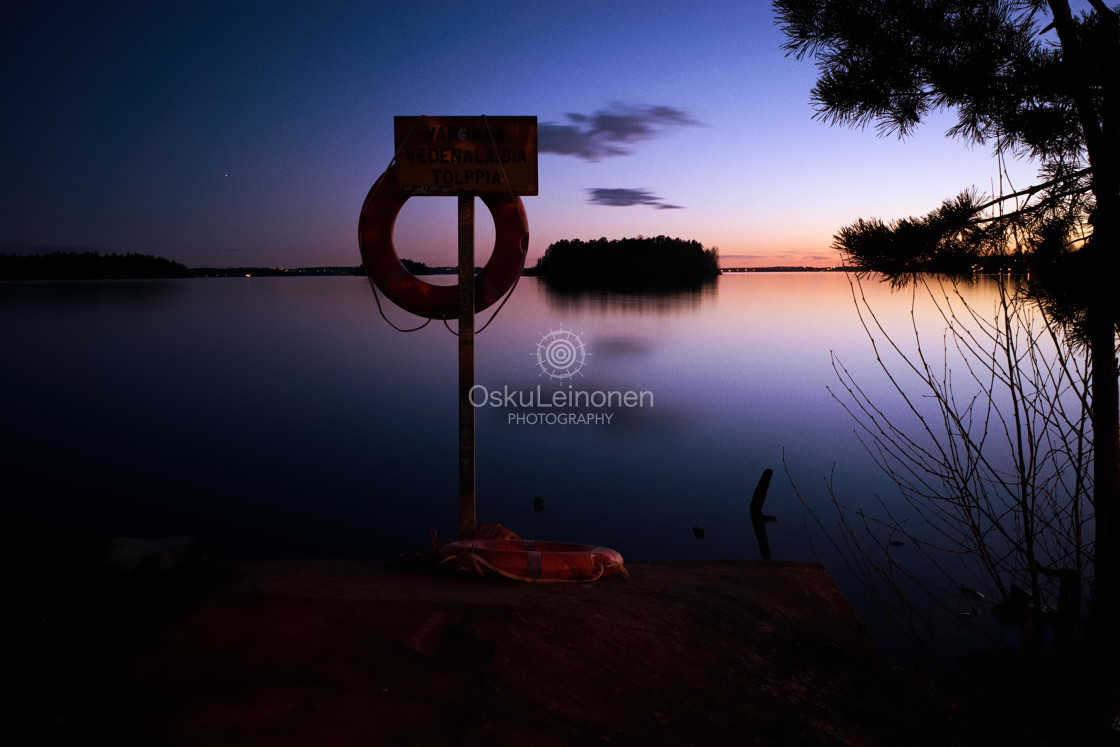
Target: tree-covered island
{"type": "Point", "coordinates": [656, 263]}
{"type": "Point", "coordinates": [74, 265]}
{"type": "Point", "coordinates": [89, 265]}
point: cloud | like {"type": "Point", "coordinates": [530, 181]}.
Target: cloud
{"type": "Point", "coordinates": [619, 197]}
{"type": "Point", "coordinates": [608, 132]}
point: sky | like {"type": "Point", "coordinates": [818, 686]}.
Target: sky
{"type": "Point", "coordinates": [221, 134]}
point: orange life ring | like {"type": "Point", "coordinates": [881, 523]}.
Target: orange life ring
{"type": "Point", "coordinates": [388, 273]}
{"type": "Point", "coordinates": [530, 560]}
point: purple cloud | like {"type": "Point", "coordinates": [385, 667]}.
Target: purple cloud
{"type": "Point", "coordinates": [607, 133]}
{"type": "Point", "coordinates": [620, 197]}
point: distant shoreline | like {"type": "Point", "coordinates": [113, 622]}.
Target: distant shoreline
{"type": "Point", "coordinates": [786, 268]}
{"type": "Point", "coordinates": [93, 266]}
{"type": "Point", "coordinates": [237, 272]}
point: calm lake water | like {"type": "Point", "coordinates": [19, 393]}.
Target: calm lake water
{"type": "Point", "coordinates": [285, 415]}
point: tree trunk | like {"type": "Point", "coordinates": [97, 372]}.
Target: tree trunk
{"type": "Point", "coordinates": [1104, 623]}
{"type": "Point", "coordinates": [1099, 130]}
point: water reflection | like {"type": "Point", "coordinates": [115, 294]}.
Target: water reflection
{"type": "Point", "coordinates": [637, 302]}
{"type": "Point", "coordinates": [284, 412]}
{"type": "Point", "coordinates": [86, 294]}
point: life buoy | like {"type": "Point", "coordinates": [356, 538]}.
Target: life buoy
{"type": "Point", "coordinates": [388, 273]}
{"type": "Point", "coordinates": [530, 560]}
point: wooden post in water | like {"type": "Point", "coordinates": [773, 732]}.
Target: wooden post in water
{"type": "Point", "coordinates": [759, 519]}
{"type": "Point", "coordinates": [466, 368]}
{"type": "Point", "coordinates": [759, 496]}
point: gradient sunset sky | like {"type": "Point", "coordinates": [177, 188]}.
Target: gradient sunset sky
{"type": "Point", "coordinates": [248, 133]}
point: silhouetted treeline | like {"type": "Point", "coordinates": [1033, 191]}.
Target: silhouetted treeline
{"type": "Point", "coordinates": [88, 266]}
{"type": "Point", "coordinates": [416, 268]}
{"type": "Point", "coordinates": [786, 268]}
{"type": "Point", "coordinates": [642, 263]}
{"type": "Point", "coordinates": [94, 266]}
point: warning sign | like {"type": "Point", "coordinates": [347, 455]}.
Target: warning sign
{"type": "Point", "coordinates": [466, 155]}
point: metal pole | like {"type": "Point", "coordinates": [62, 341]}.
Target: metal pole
{"type": "Point", "coordinates": [466, 368]}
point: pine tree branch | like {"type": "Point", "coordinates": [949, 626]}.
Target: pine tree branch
{"type": "Point", "coordinates": [1103, 9]}
{"type": "Point", "coordinates": [1034, 189]}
